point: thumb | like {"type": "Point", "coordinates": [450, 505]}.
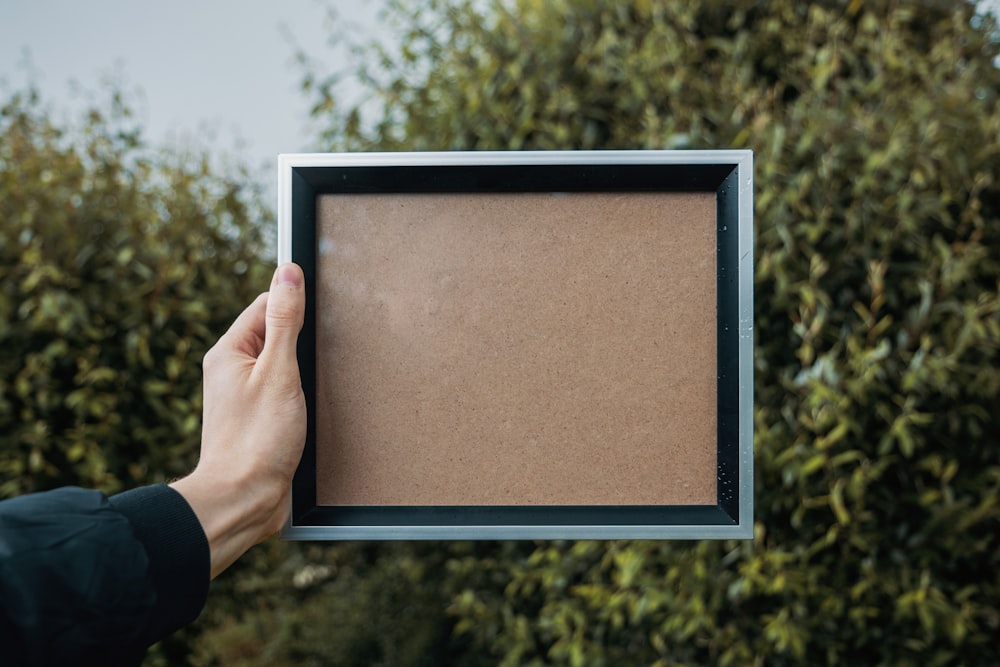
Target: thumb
{"type": "Point", "coordinates": [286, 307]}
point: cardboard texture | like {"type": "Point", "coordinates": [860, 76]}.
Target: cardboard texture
{"type": "Point", "coordinates": [516, 349]}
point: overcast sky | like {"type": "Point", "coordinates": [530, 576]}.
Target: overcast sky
{"type": "Point", "coordinates": [222, 65]}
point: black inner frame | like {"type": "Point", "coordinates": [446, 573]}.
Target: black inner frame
{"type": "Point", "coordinates": [720, 178]}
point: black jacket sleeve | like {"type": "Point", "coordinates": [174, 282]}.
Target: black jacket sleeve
{"type": "Point", "coordinates": [86, 579]}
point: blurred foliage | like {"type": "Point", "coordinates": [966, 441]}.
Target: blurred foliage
{"type": "Point", "coordinates": [876, 129]}
{"type": "Point", "coordinates": [343, 605]}
{"type": "Point", "coordinates": [119, 267]}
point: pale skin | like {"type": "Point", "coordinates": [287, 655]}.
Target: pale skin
{"type": "Point", "coordinates": [254, 424]}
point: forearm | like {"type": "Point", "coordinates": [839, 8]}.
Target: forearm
{"type": "Point", "coordinates": [86, 577]}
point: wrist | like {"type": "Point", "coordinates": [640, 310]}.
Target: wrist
{"type": "Point", "coordinates": [234, 513]}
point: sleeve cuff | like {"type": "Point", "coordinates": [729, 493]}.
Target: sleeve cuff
{"type": "Point", "coordinates": [179, 559]}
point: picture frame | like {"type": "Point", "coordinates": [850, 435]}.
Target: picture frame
{"type": "Point", "coordinates": [523, 345]}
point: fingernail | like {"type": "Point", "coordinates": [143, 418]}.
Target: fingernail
{"type": "Point", "coordinates": [288, 274]}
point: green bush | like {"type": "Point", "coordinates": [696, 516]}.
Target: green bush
{"type": "Point", "coordinates": [119, 267]}
{"type": "Point", "coordinates": [343, 605]}
{"type": "Point", "coordinates": [876, 129]}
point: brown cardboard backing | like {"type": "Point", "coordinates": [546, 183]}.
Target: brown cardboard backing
{"type": "Point", "coordinates": [516, 349]}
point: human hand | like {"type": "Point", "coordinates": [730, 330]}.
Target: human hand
{"type": "Point", "coordinates": [254, 425]}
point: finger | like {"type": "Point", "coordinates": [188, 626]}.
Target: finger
{"type": "Point", "coordinates": [286, 307]}
{"type": "Point", "coordinates": [246, 334]}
